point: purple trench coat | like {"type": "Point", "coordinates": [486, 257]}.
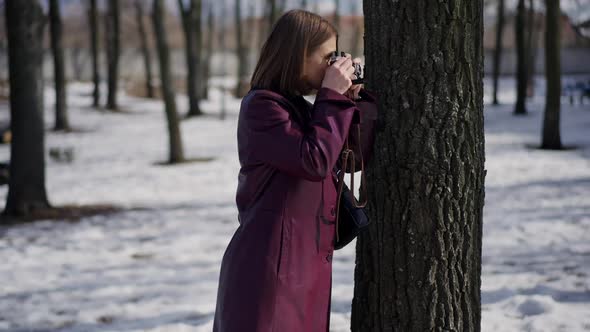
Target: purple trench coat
{"type": "Point", "coordinates": [276, 273]}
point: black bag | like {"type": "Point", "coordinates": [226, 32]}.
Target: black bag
{"type": "Point", "coordinates": [351, 217]}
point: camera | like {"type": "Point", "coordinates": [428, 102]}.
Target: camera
{"type": "Point", "coordinates": [358, 70]}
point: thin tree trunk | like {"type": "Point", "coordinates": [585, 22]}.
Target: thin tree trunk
{"type": "Point", "coordinates": [24, 30]}
{"type": "Point", "coordinates": [521, 59]}
{"type": "Point", "coordinates": [145, 50]}
{"type": "Point", "coordinates": [418, 267]}
{"type": "Point", "coordinates": [93, 18]}
{"type": "Point", "coordinates": [242, 86]}
{"type": "Point", "coordinates": [304, 4]}
{"type": "Point", "coordinates": [531, 49]}
{"type": "Point", "coordinates": [114, 50]}
{"type": "Point", "coordinates": [191, 22]}
{"type": "Point", "coordinates": [498, 50]}
{"type": "Point", "coordinates": [175, 140]}
{"type": "Point", "coordinates": [61, 115]}
{"type": "Point", "coordinates": [209, 53]}
{"type": "Point", "coordinates": [551, 135]}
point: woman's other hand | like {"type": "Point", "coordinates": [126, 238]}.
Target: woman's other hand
{"type": "Point", "coordinates": [338, 75]}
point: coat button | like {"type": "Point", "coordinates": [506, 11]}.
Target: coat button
{"type": "Point", "coordinates": [329, 258]}
{"type": "Point", "coordinates": [333, 212]}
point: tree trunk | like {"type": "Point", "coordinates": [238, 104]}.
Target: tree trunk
{"type": "Point", "coordinates": [175, 139]}
{"type": "Point", "coordinates": [531, 49]}
{"type": "Point", "coordinates": [93, 18]}
{"type": "Point", "coordinates": [191, 22]}
{"type": "Point", "coordinates": [61, 115]}
{"type": "Point", "coordinates": [24, 30]}
{"type": "Point", "coordinates": [521, 59]}
{"type": "Point", "coordinates": [145, 49]}
{"type": "Point", "coordinates": [418, 266]}
{"type": "Point", "coordinates": [243, 84]}
{"type": "Point", "coordinates": [551, 135]}
{"type": "Point", "coordinates": [114, 40]}
{"type": "Point", "coordinates": [208, 54]}
{"type": "Point", "coordinates": [498, 50]}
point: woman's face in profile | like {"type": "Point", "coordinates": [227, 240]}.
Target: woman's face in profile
{"type": "Point", "coordinates": [317, 63]}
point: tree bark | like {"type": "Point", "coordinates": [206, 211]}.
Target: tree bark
{"type": "Point", "coordinates": [113, 53]}
{"type": "Point", "coordinates": [56, 26]}
{"type": "Point", "coordinates": [93, 18]}
{"type": "Point", "coordinates": [242, 86]}
{"type": "Point", "coordinates": [175, 140]}
{"type": "Point", "coordinates": [551, 134]}
{"type": "Point", "coordinates": [498, 50]}
{"type": "Point", "coordinates": [191, 22]}
{"type": "Point", "coordinates": [145, 49]}
{"type": "Point", "coordinates": [418, 266]}
{"type": "Point", "coordinates": [24, 29]}
{"type": "Point", "coordinates": [521, 59]}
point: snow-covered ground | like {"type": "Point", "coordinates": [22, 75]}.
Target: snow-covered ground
{"type": "Point", "coordinates": [155, 266]}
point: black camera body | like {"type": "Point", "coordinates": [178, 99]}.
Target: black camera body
{"type": "Point", "coordinates": [358, 70]}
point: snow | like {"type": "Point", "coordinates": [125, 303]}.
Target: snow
{"type": "Point", "coordinates": [154, 267]}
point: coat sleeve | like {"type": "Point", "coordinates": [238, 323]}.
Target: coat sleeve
{"type": "Point", "coordinates": [367, 105]}
{"type": "Point", "coordinates": [275, 139]}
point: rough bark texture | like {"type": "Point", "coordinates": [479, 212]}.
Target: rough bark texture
{"type": "Point", "coordinates": [191, 23]}
{"type": "Point", "coordinates": [498, 50]}
{"type": "Point", "coordinates": [175, 140]}
{"type": "Point", "coordinates": [418, 266]}
{"type": "Point", "coordinates": [24, 28]}
{"type": "Point", "coordinates": [551, 135]}
{"type": "Point", "coordinates": [145, 50]}
{"type": "Point", "coordinates": [113, 53]}
{"type": "Point", "coordinates": [56, 26]}
{"type": "Point", "coordinates": [521, 59]}
{"type": "Point", "coordinates": [93, 19]}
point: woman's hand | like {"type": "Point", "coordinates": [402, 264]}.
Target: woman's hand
{"type": "Point", "coordinates": [338, 75]}
{"type": "Point", "coordinates": [353, 91]}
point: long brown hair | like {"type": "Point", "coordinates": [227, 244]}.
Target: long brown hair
{"type": "Point", "coordinates": [295, 35]}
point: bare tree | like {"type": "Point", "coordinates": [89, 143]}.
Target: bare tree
{"type": "Point", "coordinates": [26, 188]}
{"type": "Point", "coordinates": [532, 46]}
{"type": "Point", "coordinates": [551, 134]}
{"type": "Point", "coordinates": [418, 267]}
{"type": "Point", "coordinates": [93, 18]}
{"type": "Point", "coordinates": [498, 50]}
{"type": "Point", "coordinates": [145, 49]}
{"type": "Point", "coordinates": [176, 154]}
{"type": "Point", "coordinates": [61, 115]}
{"type": "Point", "coordinates": [191, 23]}
{"type": "Point", "coordinates": [521, 59]}
{"type": "Point", "coordinates": [241, 52]}
{"type": "Point", "coordinates": [206, 63]}
{"type": "Point", "coordinates": [113, 52]}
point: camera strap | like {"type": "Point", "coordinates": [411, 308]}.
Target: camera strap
{"type": "Point", "coordinates": [346, 156]}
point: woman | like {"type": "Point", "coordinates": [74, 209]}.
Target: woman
{"type": "Point", "coordinates": [276, 273]}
